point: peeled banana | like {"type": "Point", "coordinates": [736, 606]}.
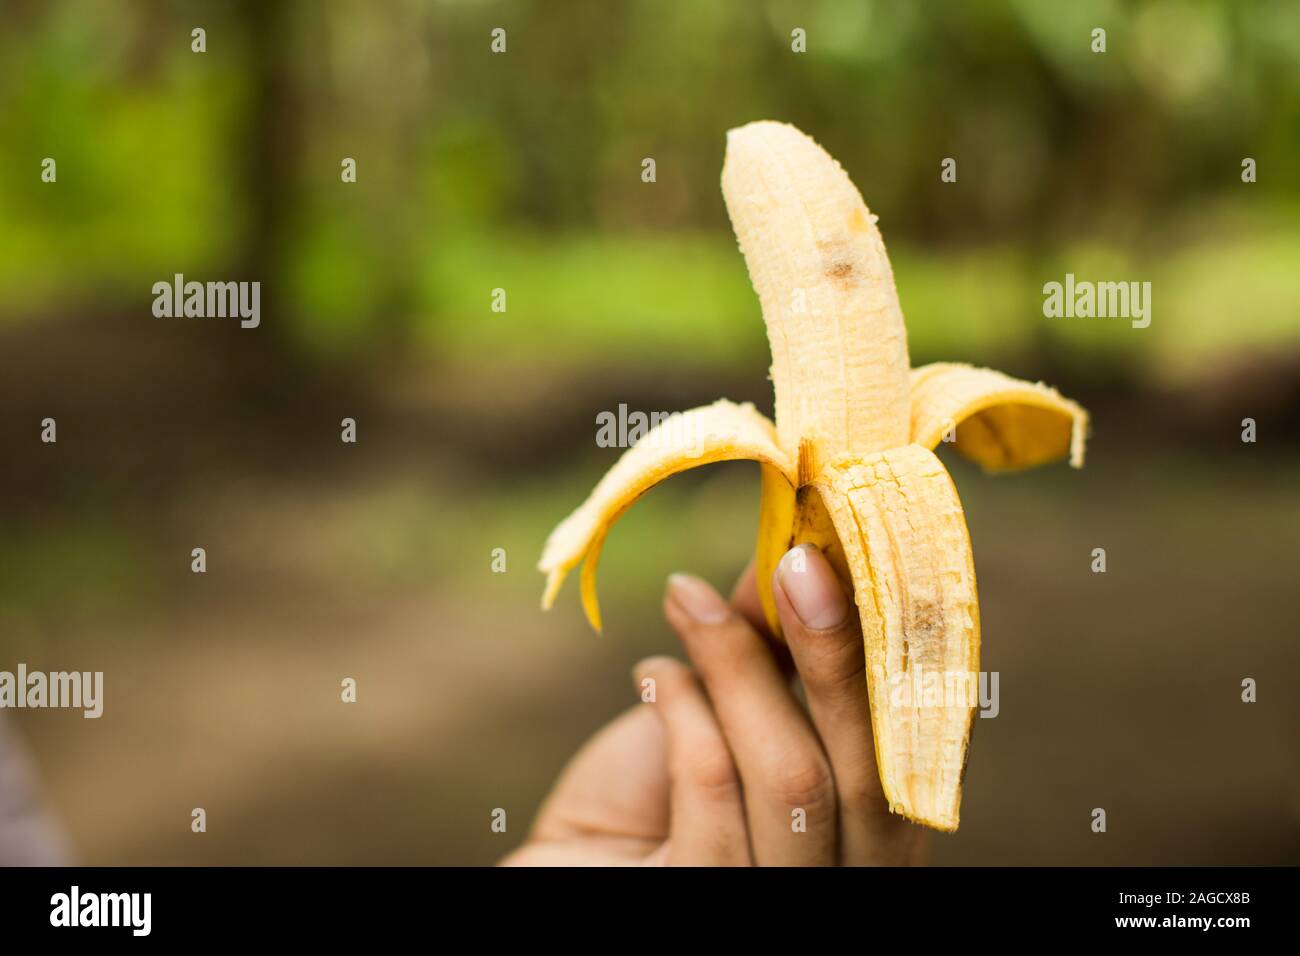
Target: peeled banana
{"type": "Point", "coordinates": [849, 464]}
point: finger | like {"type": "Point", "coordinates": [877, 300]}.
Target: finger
{"type": "Point", "coordinates": [788, 789]}
{"type": "Point", "coordinates": [706, 810]}
{"type": "Point", "coordinates": [614, 785]}
{"type": "Point", "coordinates": [822, 629]}
{"type": "Point", "coordinates": [745, 599]}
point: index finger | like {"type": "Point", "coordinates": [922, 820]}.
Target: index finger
{"type": "Point", "coordinates": [746, 603]}
{"type": "Point", "coordinates": [821, 626]}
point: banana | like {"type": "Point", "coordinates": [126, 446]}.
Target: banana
{"type": "Point", "coordinates": [849, 463]}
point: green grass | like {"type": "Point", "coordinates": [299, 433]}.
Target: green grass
{"type": "Point", "coordinates": [623, 300]}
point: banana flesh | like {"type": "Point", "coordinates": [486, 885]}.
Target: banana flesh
{"type": "Point", "coordinates": [848, 464]}
{"type": "Point", "coordinates": [818, 264]}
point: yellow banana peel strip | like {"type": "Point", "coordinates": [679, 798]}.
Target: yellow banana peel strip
{"type": "Point", "coordinates": [904, 536]}
{"type": "Point", "coordinates": [1006, 423]}
{"type": "Point", "coordinates": [723, 431]}
{"type": "Point", "coordinates": [848, 464]}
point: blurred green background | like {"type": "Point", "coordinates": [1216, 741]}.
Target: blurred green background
{"type": "Point", "coordinates": [522, 171]}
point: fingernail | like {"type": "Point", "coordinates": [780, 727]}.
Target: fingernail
{"type": "Point", "coordinates": [814, 592]}
{"type": "Point", "coordinates": [697, 599]}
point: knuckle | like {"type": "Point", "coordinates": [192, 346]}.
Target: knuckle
{"type": "Point", "coordinates": [806, 782]}
{"type": "Point", "coordinates": [707, 766]}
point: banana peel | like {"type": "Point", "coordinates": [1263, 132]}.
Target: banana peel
{"type": "Point", "coordinates": [849, 463]}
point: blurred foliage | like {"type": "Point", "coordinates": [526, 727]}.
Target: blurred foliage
{"type": "Point", "coordinates": [522, 170]}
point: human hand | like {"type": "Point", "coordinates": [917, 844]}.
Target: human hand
{"type": "Point", "coordinates": [726, 766]}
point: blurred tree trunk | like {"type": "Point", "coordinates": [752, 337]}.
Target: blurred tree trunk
{"type": "Point", "coordinates": [269, 163]}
